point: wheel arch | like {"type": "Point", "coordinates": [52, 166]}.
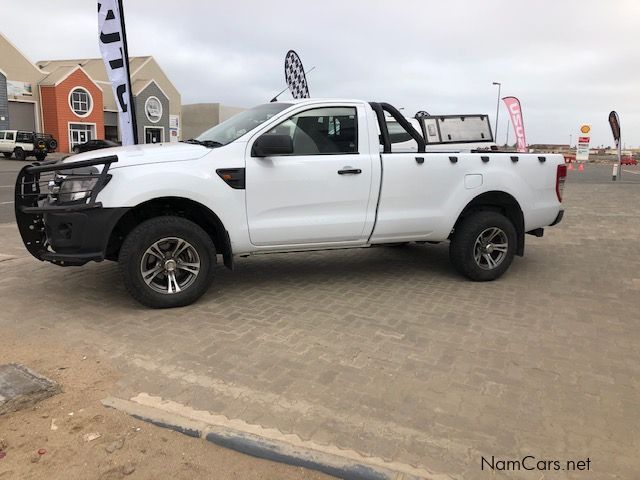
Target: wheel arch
{"type": "Point", "coordinates": [503, 203]}
{"type": "Point", "coordinates": [178, 206]}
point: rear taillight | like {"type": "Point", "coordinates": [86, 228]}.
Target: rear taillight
{"type": "Point", "coordinates": [561, 176]}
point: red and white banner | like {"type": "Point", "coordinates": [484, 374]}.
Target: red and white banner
{"type": "Point", "coordinates": [513, 107]}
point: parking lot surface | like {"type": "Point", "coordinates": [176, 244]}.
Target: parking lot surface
{"type": "Point", "coordinates": [387, 351]}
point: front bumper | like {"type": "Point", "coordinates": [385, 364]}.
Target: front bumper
{"type": "Point", "coordinates": [64, 234]}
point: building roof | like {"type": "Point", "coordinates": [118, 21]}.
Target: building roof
{"type": "Point", "coordinates": [93, 66]}
{"type": "Point", "coordinates": [142, 69]}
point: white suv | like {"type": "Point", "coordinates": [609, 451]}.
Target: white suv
{"type": "Point", "coordinates": [26, 144]}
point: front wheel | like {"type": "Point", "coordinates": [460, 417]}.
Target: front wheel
{"type": "Point", "coordinates": [76, 150]}
{"type": "Point", "coordinates": [483, 246]}
{"type": "Point", "coordinates": [167, 262]}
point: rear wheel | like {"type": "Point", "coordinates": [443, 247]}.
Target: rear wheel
{"type": "Point", "coordinates": [483, 246]}
{"type": "Point", "coordinates": [20, 154]}
{"type": "Point", "coordinates": [40, 156]}
{"type": "Point", "coordinates": [76, 149]}
{"type": "Point", "coordinates": [7, 154]}
{"type": "Point", "coordinates": [167, 262]}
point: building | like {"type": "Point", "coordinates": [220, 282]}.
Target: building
{"type": "Point", "coordinates": [157, 102]}
{"type": "Point", "coordinates": [199, 117]}
{"type": "Point", "coordinates": [19, 95]}
{"type": "Point", "coordinates": [72, 107]}
{"type": "Point", "coordinates": [73, 99]}
{"type": "Point", "coordinates": [550, 148]}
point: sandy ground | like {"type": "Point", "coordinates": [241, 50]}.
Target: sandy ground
{"type": "Point", "coordinates": [60, 428]}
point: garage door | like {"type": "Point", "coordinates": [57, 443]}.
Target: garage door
{"type": "Point", "coordinates": [22, 116]}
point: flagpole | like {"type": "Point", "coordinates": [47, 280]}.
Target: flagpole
{"type": "Point", "coordinates": [134, 121]}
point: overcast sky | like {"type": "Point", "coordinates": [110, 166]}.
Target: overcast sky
{"type": "Point", "coordinates": [568, 61]}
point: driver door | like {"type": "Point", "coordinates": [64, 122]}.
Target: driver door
{"type": "Point", "coordinates": [319, 193]}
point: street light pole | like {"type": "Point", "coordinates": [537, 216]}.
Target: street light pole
{"type": "Point", "coordinates": [497, 110]}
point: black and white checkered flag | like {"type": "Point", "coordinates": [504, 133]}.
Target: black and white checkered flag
{"type": "Point", "coordinates": [294, 75]}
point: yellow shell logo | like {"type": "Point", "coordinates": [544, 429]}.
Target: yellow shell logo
{"type": "Point", "coordinates": [585, 128]}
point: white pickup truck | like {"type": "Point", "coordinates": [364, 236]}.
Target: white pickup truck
{"type": "Point", "coordinates": [281, 177]}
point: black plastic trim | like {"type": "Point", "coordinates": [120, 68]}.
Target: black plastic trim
{"type": "Point", "coordinates": [453, 159]}
{"type": "Point", "coordinates": [382, 123]}
{"type": "Point", "coordinates": [558, 218]}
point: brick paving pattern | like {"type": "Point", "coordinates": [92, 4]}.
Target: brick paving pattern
{"type": "Point", "coordinates": [386, 350]}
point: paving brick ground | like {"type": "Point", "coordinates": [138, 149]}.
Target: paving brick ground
{"type": "Point", "coordinates": [386, 350]}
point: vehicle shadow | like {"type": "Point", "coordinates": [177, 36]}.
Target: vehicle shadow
{"type": "Point", "coordinates": [336, 269]}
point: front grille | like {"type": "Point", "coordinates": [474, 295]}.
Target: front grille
{"type": "Point", "coordinates": [40, 190]}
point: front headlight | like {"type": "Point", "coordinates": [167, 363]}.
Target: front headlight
{"type": "Point", "coordinates": [73, 190]}
{"type": "Point", "coordinates": [74, 186]}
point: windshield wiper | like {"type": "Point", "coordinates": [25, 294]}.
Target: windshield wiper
{"type": "Point", "coordinates": [205, 143]}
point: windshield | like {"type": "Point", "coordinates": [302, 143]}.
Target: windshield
{"type": "Point", "coordinates": [243, 122]}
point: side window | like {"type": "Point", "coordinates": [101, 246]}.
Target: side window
{"type": "Point", "coordinates": [401, 140]}
{"type": "Point", "coordinates": [1, 135]}
{"type": "Point", "coordinates": [397, 134]}
{"type": "Point", "coordinates": [9, 136]}
{"type": "Point", "coordinates": [24, 137]}
{"type": "Point", "coordinates": [329, 130]}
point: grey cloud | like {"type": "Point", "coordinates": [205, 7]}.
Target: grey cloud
{"type": "Point", "coordinates": [568, 61]}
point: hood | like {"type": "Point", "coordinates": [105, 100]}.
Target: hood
{"type": "Point", "coordinates": [145, 154]}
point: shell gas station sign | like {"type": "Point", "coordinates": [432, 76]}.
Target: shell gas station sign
{"type": "Point", "coordinates": [582, 149]}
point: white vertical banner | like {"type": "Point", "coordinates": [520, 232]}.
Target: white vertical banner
{"type": "Point", "coordinates": [114, 53]}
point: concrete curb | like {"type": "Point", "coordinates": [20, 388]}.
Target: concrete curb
{"type": "Point", "coordinates": [346, 467]}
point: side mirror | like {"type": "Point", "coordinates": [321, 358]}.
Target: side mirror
{"type": "Point", "coordinates": [268, 145]}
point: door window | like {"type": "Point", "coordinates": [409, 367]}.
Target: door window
{"type": "Point", "coordinates": [153, 135]}
{"type": "Point", "coordinates": [330, 130]}
{"type": "Point", "coordinates": [1, 135]}
{"type": "Point", "coordinates": [80, 133]}
{"type": "Point", "coordinates": [9, 136]}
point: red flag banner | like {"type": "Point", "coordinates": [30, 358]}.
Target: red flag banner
{"type": "Point", "coordinates": [515, 112]}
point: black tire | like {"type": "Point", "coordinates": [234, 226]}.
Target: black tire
{"type": "Point", "coordinates": [76, 149]}
{"type": "Point", "coordinates": [52, 144]}
{"type": "Point", "coordinates": [41, 156]}
{"type": "Point", "coordinates": [20, 154]}
{"type": "Point", "coordinates": [471, 259]}
{"type": "Point", "coordinates": [7, 154]}
{"type": "Point", "coordinates": [134, 252]}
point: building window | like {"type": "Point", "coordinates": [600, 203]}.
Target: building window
{"type": "Point", "coordinates": [153, 109]}
{"type": "Point", "coordinates": [80, 102]}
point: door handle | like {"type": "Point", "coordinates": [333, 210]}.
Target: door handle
{"type": "Point", "coordinates": [349, 171]}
